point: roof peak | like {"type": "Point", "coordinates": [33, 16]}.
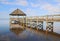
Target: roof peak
{"type": "Point", "coordinates": [17, 9]}
{"type": "Point", "coordinates": [18, 12]}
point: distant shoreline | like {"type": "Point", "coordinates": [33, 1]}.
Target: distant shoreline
{"type": "Point", "coordinates": [4, 19]}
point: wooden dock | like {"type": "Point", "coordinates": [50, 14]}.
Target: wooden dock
{"type": "Point", "coordinates": [35, 22]}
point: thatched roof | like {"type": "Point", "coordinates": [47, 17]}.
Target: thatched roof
{"type": "Point", "coordinates": [18, 12]}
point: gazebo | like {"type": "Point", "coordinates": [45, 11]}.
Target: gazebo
{"type": "Point", "coordinates": [17, 16]}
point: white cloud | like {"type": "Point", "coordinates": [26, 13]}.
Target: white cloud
{"type": "Point", "coordinates": [21, 2]}
{"type": "Point", "coordinates": [50, 8]}
{"type": "Point", "coordinates": [12, 9]}
{"type": "Point", "coordinates": [39, 4]}
{"type": "Point", "coordinates": [15, 2]}
{"type": "Point", "coordinates": [57, 0]}
{"type": "Point", "coordinates": [32, 12]}
{"type": "Point", "coordinates": [35, 5]}
{"type": "Point", "coordinates": [2, 0]}
{"type": "Point", "coordinates": [28, 10]}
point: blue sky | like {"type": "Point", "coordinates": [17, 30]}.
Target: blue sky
{"type": "Point", "coordinates": [30, 7]}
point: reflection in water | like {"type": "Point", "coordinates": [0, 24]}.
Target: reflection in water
{"type": "Point", "coordinates": [17, 31]}
{"type": "Point", "coordinates": [27, 34]}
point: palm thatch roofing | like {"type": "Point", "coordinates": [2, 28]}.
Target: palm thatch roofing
{"type": "Point", "coordinates": [18, 12]}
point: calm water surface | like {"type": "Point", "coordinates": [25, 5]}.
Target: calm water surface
{"type": "Point", "coordinates": [26, 35]}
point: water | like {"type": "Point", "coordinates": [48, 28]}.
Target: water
{"type": "Point", "coordinates": [27, 34]}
